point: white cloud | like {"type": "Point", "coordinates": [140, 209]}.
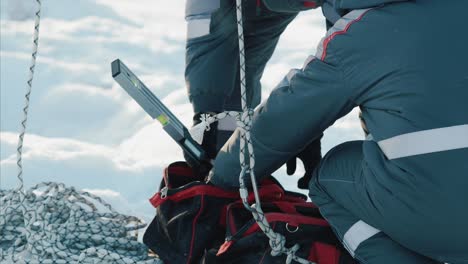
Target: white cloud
{"type": "Point", "coordinates": [349, 122]}
{"type": "Point", "coordinates": [156, 37]}
{"type": "Point", "coordinates": [72, 67]}
{"type": "Point", "coordinates": [304, 33]}
{"type": "Point", "coordinates": [149, 148]}
{"type": "Point", "coordinates": [274, 73]}
{"type": "Point", "coordinates": [299, 40]}
{"type": "Point", "coordinates": [165, 19]}
{"type": "Point", "coordinates": [79, 89]}
{"type": "Point", "coordinates": [18, 10]}
{"type": "Point", "coordinates": [57, 149]}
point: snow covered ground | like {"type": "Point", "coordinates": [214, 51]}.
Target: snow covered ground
{"type": "Point", "coordinates": [84, 130]}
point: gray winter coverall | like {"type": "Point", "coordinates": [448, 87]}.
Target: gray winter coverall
{"type": "Point", "coordinates": [401, 196]}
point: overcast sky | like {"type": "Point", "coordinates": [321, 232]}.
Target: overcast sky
{"type": "Point", "coordinates": [83, 129]}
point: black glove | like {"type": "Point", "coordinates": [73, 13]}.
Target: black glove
{"type": "Point", "coordinates": [310, 157]}
{"type": "Point", "coordinates": [209, 146]}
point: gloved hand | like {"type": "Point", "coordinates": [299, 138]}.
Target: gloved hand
{"type": "Point", "coordinates": [209, 145]}
{"type": "Point", "coordinates": [310, 157]}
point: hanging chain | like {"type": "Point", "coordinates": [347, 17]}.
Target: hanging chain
{"type": "Point", "coordinates": [32, 67]}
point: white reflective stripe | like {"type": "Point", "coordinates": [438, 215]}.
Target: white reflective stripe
{"type": "Point", "coordinates": [227, 124]}
{"type": "Point", "coordinates": [340, 27]}
{"type": "Point", "coordinates": [426, 141]}
{"type": "Point", "coordinates": [358, 233]}
{"type": "Point", "coordinates": [308, 60]}
{"type": "Point", "coordinates": [198, 27]}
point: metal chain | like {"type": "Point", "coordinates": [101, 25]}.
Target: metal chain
{"type": "Point", "coordinates": [52, 223]}
{"type": "Point", "coordinates": [19, 149]}
{"type": "Point", "coordinates": [247, 158]}
{"type": "Point", "coordinates": [66, 226]}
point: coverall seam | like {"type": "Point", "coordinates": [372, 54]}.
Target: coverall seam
{"type": "Point", "coordinates": [339, 64]}
{"type": "Point", "coordinates": [337, 180]}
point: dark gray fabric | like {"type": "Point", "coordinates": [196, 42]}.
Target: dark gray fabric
{"type": "Point", "coordinates": [290, 6]}
{"type": "Point", "coordinates": [329, 11]}
{"type": "Point", "coordinates": [333, 10]}
{"type": "Point", "coordinates": [212, 61]}
{"type": "Point", "coordinates": [340, 189]}
{"type": "Point", "coordinates": [358, 4]}
{"type": "Point", "coordinates": [200, 7]}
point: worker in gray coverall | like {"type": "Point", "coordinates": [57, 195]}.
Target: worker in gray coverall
{"type": "Point", "coordinates": [400, 196]}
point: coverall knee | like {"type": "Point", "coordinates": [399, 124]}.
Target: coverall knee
{"type": "Point", "coordinates": [344, 195]}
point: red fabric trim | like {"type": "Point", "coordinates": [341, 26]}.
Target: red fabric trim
{"type": "Point", "coordinates": [267, 193]}
{"type": "Point", "coordinates": [325, 253]}
{"type": "Point", "coordinates": [194, 223]}
{"type": "Point", "coordinates": [292, 220]}
{"type": "Point", "coordinates": [293, 199]}
{"type": "Point", "coordinates": [222, 217]}
{"type": "Point", "coordinates": [179, 170]}
{"type": "Point", "coordinates": [232, 224]}
{"type": "Point", "coordinates": [192, 192]}
{"type": "Point", "coordinates": [310, 4]}
{"type": "Point", "coordinates": [286, 207]}
{"type": "Point", "coordinates": [313, 253]}
{"type": "Point", "coordinates": [165, 177]}
{"type": "Point", "coordinates": [267, 181]}
{"type": "Point", "coordinates": [225, 247]}
{"type": "Point", "coordinates": [329, 38]}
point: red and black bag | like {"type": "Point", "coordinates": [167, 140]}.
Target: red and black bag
{"type": "Point", "coordinates": [194, 218]}
{"type": "Point", "coordinates": [299, 222]}
{"type": "Point", "coordinates": [188, 212]}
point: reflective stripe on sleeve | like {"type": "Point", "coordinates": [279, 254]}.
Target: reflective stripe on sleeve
{"type": "Point", "coordinates": [426, 141]}
{"type": "Point", "coordinates": [358, 233]}
{"type": "Point", "coordinates": [198, 27]}
{"type": "Point", "coordinates": [340, 27]}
